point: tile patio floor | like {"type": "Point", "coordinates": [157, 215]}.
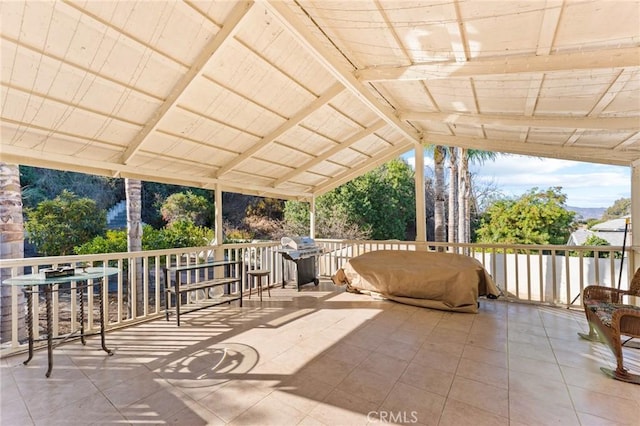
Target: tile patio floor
{"type": "Point", "coordinates": [326, 357]}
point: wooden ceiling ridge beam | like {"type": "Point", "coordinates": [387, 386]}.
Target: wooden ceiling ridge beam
{"type": "Point", "coordinates": [229, 28]}
{"type": "Point", "coordinates": [331, 152]}
{"type": "Point", "coordinates": [363, 168]}
{"type": "Point", "coordinates": [303, 35]}
{"type": "Point", "coordinates": [624, 57]}
{"type": "Point", "coordinates": [316, 104]}
{"type": "Point", "coordinates": [597, 123]}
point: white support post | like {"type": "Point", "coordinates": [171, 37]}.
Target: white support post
{"type": "Point", "coordinates": [421, 221]}
{"type": "Point", "coordinates": [312, 217]}
{"type": "Point", "coordinates": [635, 216]}
{"type": "Point", "coordinates": [219, 253]}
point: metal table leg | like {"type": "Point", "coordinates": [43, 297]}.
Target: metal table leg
{"type": "Point", "coordinates": [102, 328]}
{"type": "Point", "coordinates": [47, 293]}
{"type": "Point", "coordinates": [29, 294]}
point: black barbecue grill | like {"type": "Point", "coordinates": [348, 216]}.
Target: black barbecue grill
{"type": "Point", "coordinates": [304, 252]}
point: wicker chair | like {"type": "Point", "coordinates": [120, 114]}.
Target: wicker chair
{"type": "Point", "coordinates": [609, 319]}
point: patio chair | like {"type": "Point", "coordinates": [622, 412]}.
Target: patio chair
{"type": "Point", "coordinates": [609, 319]}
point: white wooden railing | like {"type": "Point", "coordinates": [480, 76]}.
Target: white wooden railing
{"type": "Point", "coordinates": [535, 274]}
{"type": "Point", "coordinates": [548, 274]}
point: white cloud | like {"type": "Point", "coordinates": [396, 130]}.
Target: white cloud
{"type": "Point", "coordinates": [585, 184]}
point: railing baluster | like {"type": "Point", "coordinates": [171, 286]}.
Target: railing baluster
{"type": "Point", "coordinates": [511, 279]}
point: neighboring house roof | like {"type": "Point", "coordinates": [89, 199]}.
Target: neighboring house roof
{"type": "Point", "coordinates": [615, 225]}
{"type": "Point", "coordinates": [612, 231]}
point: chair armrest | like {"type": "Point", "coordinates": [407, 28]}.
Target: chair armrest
{"type": "Point", "coordinates": [604, 294]}
{"type": "Point", "coordinates": [626, 320]}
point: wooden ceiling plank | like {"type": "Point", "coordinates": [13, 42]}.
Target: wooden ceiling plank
{"type": "Point", "coordinates": [228, 29]}
{"type": "Point", "coordinates": [606, 98]}
{"type": "Point", "coordinates": [631, 140]}
{"type": "Point", "coordinates": [612, 91]}
{"type": "Point", "coordinates": [318, 103]}
{"type": "Point", "coordinates": [57, 100]}
{"type": "Point", "coordinates": [320, 52]}
{"type": "Point", "coordinates": [362, 168]}
{"type": "Point", "coordinates": [331, 152]}
{"type": "Point", "coordinates": [573, 61]}
{"type": "Point", "coordinates": [94, 75]}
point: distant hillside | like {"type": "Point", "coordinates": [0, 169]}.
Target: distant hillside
{"type": "Point", "coordinates": [587, 212]}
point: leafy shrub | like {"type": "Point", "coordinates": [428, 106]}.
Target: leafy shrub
{"type": "Point", "coordinates": [181, 234]}
{"type": "Point", "coordinates": [56, 226]}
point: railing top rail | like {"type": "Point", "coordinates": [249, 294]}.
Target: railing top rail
{"type": "Point", "coordinates": [478, 245]}
{"type": "Point", "coordinates": [8, 263]}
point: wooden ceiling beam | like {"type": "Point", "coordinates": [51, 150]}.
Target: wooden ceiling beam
{"type": "Point", "coordinates": [598, 123]}
{"type": "Point", "coordinates": [574, 153]}
{"type": "Point", "coordinates": [316, 104]}
{"type": "Point", "coordinates": [573, 61]}
{"type": "Point", "coordinates": [227, 31]}
{"type": "Point", "coordinates": [16, 155]}
{"type": "Point", "coordinates": [364, 167]}
{"type": "Point", "coordinates": [334, 64]}
{"type": "Point", "coordinates": [331, 152]}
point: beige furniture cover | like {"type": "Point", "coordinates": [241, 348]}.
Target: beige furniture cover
{"type": "Point", "coordinates": [444, 281]}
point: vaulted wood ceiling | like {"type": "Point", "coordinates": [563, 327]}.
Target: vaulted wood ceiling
{"type": "Point", "coordinates": [293, 98]}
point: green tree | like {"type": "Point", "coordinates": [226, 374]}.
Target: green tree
{"type": "Point", "coordinates": [186, 206]}
{"type": "Point", "coordinates": [379, 204]}
{"type": "Point", "coordinates": [592, 241]}
{"type": "Point", "coordinates": [40, 184]}
{"type": "Point", "coordinates": [56, 226]}
{"type": "Point", "coordinates": [537, 217]}
{"type": "Point", "coordinates": [620, 208]}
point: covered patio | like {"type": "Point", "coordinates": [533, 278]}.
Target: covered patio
{"type": "Point", "coordinates": [290, 99]}
{"type": "Point", "coordinates": [324, 356]}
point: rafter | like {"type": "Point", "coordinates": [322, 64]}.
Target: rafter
{"type": "Point", "coordinates": [230, 26]}
{"type": "Point", "coordinates": [604, 123]}
{"type": "Point", "coordinates": [320, 101]}
{"type": "Point", "coordinates": [363, 167]}
{"type": "Point", "coordinates": [331, 152]}
{"type": "Point", "coordinates": [549, 28]}
{"type": "Point", "coordinates": [303, 35]}
{"type": "Point", "coordinates": [589, 60]}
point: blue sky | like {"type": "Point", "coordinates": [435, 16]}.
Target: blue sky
{"type": "Point", "coordinates": [585, 184]}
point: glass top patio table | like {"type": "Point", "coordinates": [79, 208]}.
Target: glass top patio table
{"type": "Point", "coordinates": [37, 282]}
{"type": "Point", "coordinates": [39, 278]}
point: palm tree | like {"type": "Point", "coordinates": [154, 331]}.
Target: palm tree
{"type": "Point", "coordinates": [464, 190]}
{"type": "Point", "coordinates": [453, 193]}
{"type": "Point", "coordinates": [133, 190]}
{"type": "Point", "coordinates": [11, 244]}
{"type": "Point", "coordinates": [439, 155]}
